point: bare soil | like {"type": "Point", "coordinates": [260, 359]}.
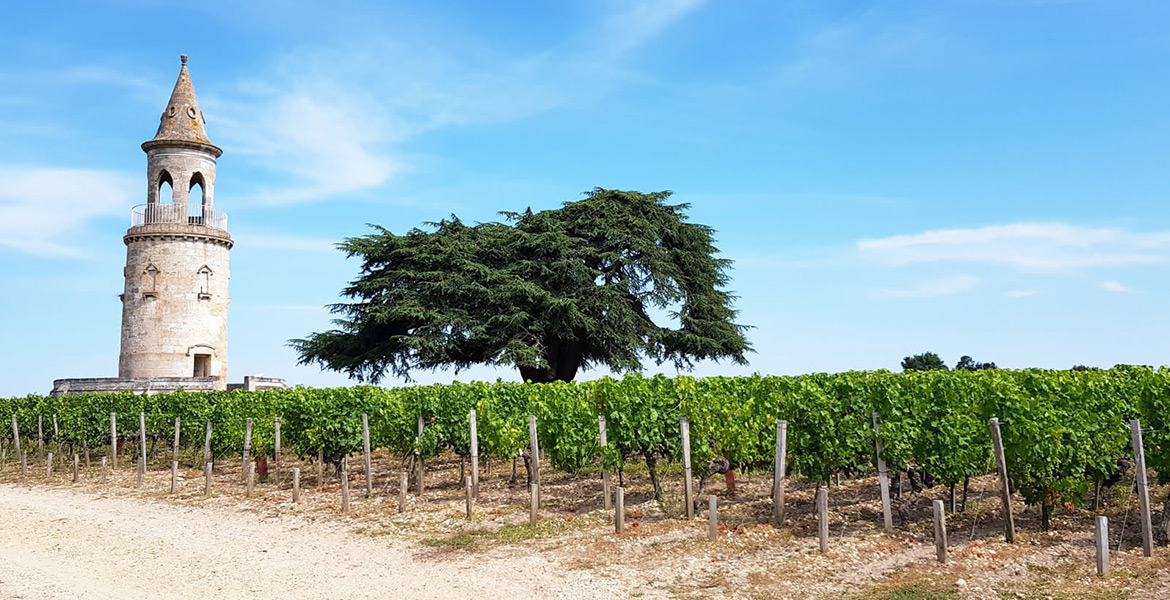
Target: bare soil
{"type": "Point", "coordinates": [90, 539]}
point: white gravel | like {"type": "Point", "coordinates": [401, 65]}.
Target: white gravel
{"type": "Point", "coordinates": [57, 543]}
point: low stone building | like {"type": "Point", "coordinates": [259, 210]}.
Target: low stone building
{"type": "Point", "coordinates": [175, 298]}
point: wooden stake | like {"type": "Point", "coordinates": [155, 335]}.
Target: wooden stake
{"type": "Point", "coordinates": [473, 421]}
{"type": "Point", "coordinates": [138, 473]}
{"type": "Point", "coordinates": [207, 479]}
{"type": "Point", "coordinates": [469, 497]}
{"type": "Point", "coordinates": [76, 466]}
{"type": "Point", "coordinates": [207, 445]}
{"type": "Point", "coordinates": [247, 447]}
{"type": "Point", "coordinates": [883, 475]}
{"type": "Point", "coordinates": [366, 447]}
{"type": "Point", "coordinates": [712, 518]}
{"type": "Point", "coordinates": [16, 437]}
{"type": "Point", "coordinates": [534, 450]}
{"type": "Point", "coordinates": [419, 461]}
{"type": "Point", "coordinates": [940, 531]}
{"type": "Point", "coordinates": [778, 472]}
{"type": "Point", "coordinates": [345, 484]}
{"type": "Point", "coordinates": [141, 447]}
{"type": "Point", "coordinates": [1101, 541]}
{"type": "Point", "coordinates": [823, 517]}
{"type": "Point", "coordinates": [605, 493]}
{"type": "Point", "coordinates": [1143, 487]}
{"type": "Point", "coordinates": [276, 448]}
{"type": "Point", "coordinates": [49, 466]}
{"type": "Point", "coordinates": [619, 510]}
{"type": "Point", "coordinates": [685, 426]}
{"type": "Point", "coordinates": [250, 476]}
{"type": "Point", "coordinates": [174, 475]}
{"type": "Point", "coordinates": [113, 441]}
{"type": "Point", "coordinates": [402, 485]}
{"type": "Point", "coordinates": [1005, 493]}
{"type": "Point", "coordinates": [321, 467]}
{"type": "Point", "coordinates": [533, 502]}
{"type": "Point", "coordinates": [175, 446]}
{"type": "Point", "coordinates": [296, 485]}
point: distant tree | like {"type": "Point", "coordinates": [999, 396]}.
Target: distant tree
{"type": "Point", "coordinates": [607, 281]}
{"type": "Point", "coordinates": [927, 361]}
{"type": "Point", "coordinates": [1085, 368]}
{"type": "Point", "coordinates": [966, 363]}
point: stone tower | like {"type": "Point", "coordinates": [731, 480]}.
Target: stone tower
{"type": "Point", "coordinates": [175, 304]}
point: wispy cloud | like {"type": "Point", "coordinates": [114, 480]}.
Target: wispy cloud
{"type": "Point", "coordinates": [1113, 286]}
{"type": "Point", "coordinates": [1021, 293]}
{"type": "Point", "coordinates": [1024, 246]}
{"type": "Point", "coordinates": [947, 286]}
{"type": "Point", "coordinates": [42, 207]}
{"type": "Point", "coordinates": [331, 118]}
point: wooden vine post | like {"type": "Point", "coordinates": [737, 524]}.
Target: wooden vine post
{"type": "Point", "coordinates": [1143, 487]}
{"type": "Point", "coordinates": [1101, 542]}
{"type": "Point", "coordinates": [76, 467]}
{"type": "Point", "coordinates": [473, 424]}
{"type": "Point", "coordinates": [823, 517]}
{"type": "Point", "coordinates": [688, 492]}
{"type": "Point", "coordinates": [345, 484]}
{"type": "Point", "coordinates": [141, 447]}
{"type": "Point", "coordinates": [175, 448]}
{"type": "Point", "coordinates": [940, 531]}
{"type": "Point", "coordinates": [276, 449]}
{"type": "Point", "coordinates": [419, 462]}
{"type": "Point", "coordinates": [534, 458]}
{"type": "Point", "coordinates": [366, 448]}
{"type": "Point", "coordinates": [1005, 492]}
{"type": "Point", "coordinates": [296, 491]}
{"type": "Point", "coordinates": [402, 485]}
{"type": "Point", "coordinates": [16, 437]}
{"type": "Point", "coordinates": [619, 510]}
{"type": "Point", "coordinates": [605, 492]}
{"type": "Point", "coordinates": [114, 441]}
{"type": "Point", "coordinates": [712, 518]}
{"type": "Point", "coordinates": [779, 471]}
{"type": "Point", "coordinates": [174, 475]}
{"type": "Point", "coordinates": [468, 484]}
{"type": "Point", "coordinates": [207, 445]}
{"type": "Point", "coordinates": [533, 503]}
{"type": "Point", "coordinates": [883, 475]}
{"type": "Point", "coordinates": [207, 479]}
{"type": "Point", "coordinates": [247, 447]}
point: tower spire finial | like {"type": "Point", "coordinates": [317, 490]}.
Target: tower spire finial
{"type": "Point", "coordinates": [182, 120]}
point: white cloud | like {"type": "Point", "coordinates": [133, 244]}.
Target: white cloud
{"type": "Point", "coordinates": [1113, 286]}
{"type": "Point", "coordinates": [1024, 246]}
{"type": "Point", "coordinates": [42, 207]}
{"type": "Point", "coordinates": [330, 118]}
{"type": "Point", "coordinates": [1020, 293]}
{"type": "Point", "coordinates": [947, 286]}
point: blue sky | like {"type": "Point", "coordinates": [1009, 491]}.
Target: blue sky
{"type": "Point", "coordinates": [985, 178]}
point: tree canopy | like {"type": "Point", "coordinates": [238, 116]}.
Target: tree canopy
{"type": "Point", "coordinates": [966, 363]}
{"type": "Point", "coordinates": [607, 280]}
{"type": "Point", "coordinates": [927, 361]}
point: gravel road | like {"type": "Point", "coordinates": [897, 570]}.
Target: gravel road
{"type": "Point", "coordinates": [57, 543]}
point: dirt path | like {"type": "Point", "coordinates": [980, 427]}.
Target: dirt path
{"type": "Point", "coordinates": [65, 544]}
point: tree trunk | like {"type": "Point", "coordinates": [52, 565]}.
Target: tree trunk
{"type": "Point", "coordinates": [652, 467]}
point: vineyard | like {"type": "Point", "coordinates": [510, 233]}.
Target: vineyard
{"type": "Point", "coordinates": [1063, 431]}
{"type": "Point", "coordinates": [1066, 439]}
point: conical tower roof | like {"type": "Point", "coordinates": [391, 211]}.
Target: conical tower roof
{"type": "Point", "coordinates": [182, 121]}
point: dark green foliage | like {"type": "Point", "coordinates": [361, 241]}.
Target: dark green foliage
{"type": "Point", "coordinates": [548, 292]}
{"type": "Point", "coordinates": [927, 361]}
{"type": "Point", "coordinates": [966, 363]}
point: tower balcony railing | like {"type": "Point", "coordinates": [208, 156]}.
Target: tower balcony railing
{"type": "Point", "coordinates": [194, 213]}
